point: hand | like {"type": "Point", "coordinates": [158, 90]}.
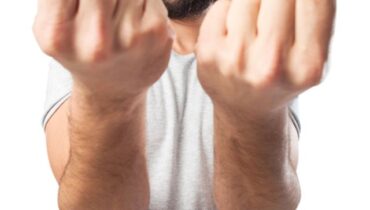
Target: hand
{"type": "Point", "coordinates": [255, 56]}
{"type": "Point", "coordinates": [112, 48]}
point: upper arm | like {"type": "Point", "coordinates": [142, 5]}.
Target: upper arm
{"type": "Point", "coordinates": [55, 119]}
{"type": "Point", "coordinates": [57, 136]}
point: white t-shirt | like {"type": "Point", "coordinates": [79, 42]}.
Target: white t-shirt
{"type": "Point", "coordinates": [179, 132]}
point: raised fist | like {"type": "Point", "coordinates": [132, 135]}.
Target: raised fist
{"type": "Point", "coordinates": [111, 47]}
{"type": "Point", "coordinates": [255, 56]}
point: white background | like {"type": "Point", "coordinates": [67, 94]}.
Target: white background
{"type": "Point", "coordinates": [334, 148]}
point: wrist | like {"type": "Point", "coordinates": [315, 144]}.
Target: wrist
{"type": "Point", "coordinates": [243, 116]}
{"type": "Point", "coordinates": [108, 87]}
{"type": "Point", "coordinates": [97, 124]}
{"type": "Point", "coordinates": [104, 103]}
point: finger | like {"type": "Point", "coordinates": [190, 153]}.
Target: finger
{"type": "Point", "coordinates": [242, 19]}
{"type": "Point", "coordinates": [155, 20]}
{"type": "Point", "coordinates": [314, 23]}
{"type": "Point", "coordinates": [94, 31]}
{"type": "Point", "coordinates": [276, 20]}
{"type": "Point", "coordinates": [57, 10]}
{"type": "Point", "coordinates": [93, 8]}
{"type": "Point", "coordinates": [131, 10]}
{"type": "Point", "coordinates": [128, 20]}
{"type": "Point", "coordinates": [154, 10]}
{"type": "Point", "coordinates": [156, 5]}
{"type": "Point", "coordinates": [214, 24]}
{"type": "Point", "coordinates": [53, 26]}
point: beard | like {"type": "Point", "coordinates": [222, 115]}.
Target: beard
{"type": "Point", "coordinates": [181, 9]}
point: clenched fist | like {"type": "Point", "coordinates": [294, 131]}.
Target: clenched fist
{"type": "Point", "coordinates": [113, 48]}
{"type": "Point", "coordinates": [255, 56]}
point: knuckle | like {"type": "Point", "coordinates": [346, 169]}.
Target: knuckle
{"type": "Point", "coordinates": [205, 55]}
{"type": "Point", "coordinates": [272, 65]}
{"type": "Point", "coordinates": [268, 70]}
{"type": "Point", "coordinates": [233, 62]}
{"type": "Point", "coordinates": [51, 39]}
{"type": "Point", "coordinates": [236, 58]}
{"type": "Point", "coordinates": [313, 73]}
{"type": "Point", "coordinates": [130, 38]}
{"type": "Point", "coordinates": [273, 62]}
{"type": "Point", "coordinates": [158, 27]}
{"type": "Point", "coordinates": [311, 65]}
{"type": "Point", "coordinates": [260, 80]}
{"type": "Point", "coordinates": [96, 52]}
{"type": "Point", "coordinates": [96, 46]}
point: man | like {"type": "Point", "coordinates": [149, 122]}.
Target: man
{"type": "Point", "coordinates": [190, 112]}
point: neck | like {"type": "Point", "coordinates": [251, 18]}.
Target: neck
{"type": "Point", "coordinates": [186, 34]}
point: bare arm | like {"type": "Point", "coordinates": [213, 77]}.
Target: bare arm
{"type": "Point", "coordinates": [255, 162]}
{"type": "Point", "coordinates": [114, 50]}
{"type": "Point", "coordinates": [263, 54]}
{"type": "Point", "coordinates": [106, 166]}
{"type": "Point", "coordinates": [57, 139]}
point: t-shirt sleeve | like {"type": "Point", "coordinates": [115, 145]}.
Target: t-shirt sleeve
{"type": "Point", "coordinates": [294, 115]}
{"type": "Point", "coordinates": [59, 86]}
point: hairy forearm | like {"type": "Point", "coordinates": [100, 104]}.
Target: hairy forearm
{"type": "Point", "coordinates": [253, 170]}
{"type": "Point", "coordinates": [107, 165]}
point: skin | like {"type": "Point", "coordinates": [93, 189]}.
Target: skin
{"type": "Point", "coordinates": [101, 142]}
{"type": "Point", "coordinates": [261, 55]}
